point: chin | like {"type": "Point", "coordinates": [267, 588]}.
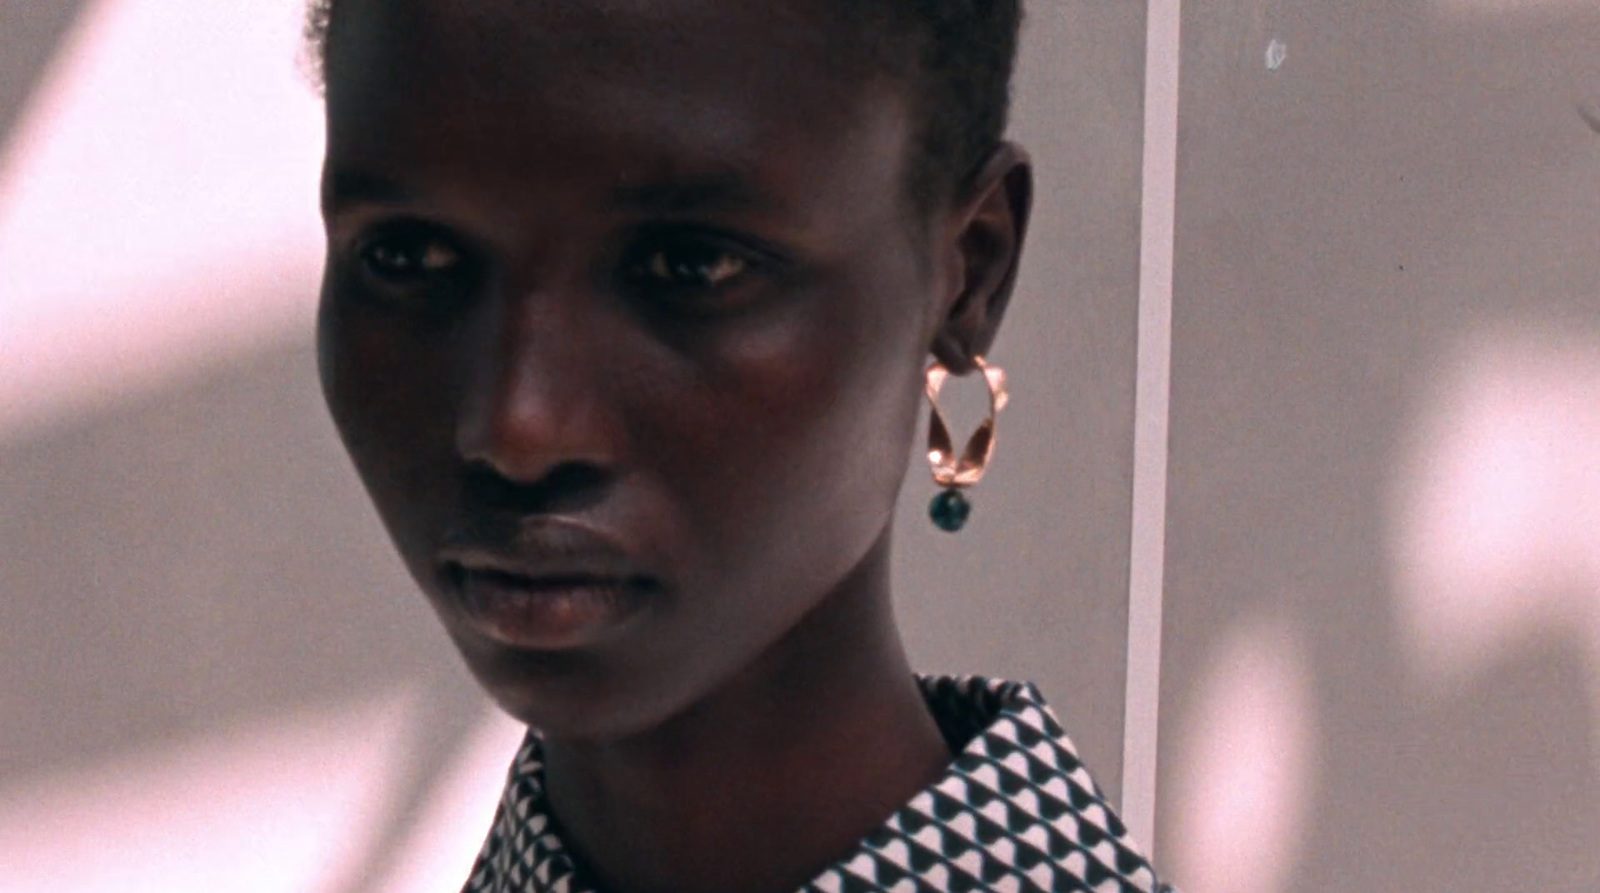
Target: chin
{"type": "Point", "coordinates": [572, 695]}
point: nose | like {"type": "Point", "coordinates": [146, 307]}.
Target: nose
{"type": "Point", "coordinates": [536, 407]}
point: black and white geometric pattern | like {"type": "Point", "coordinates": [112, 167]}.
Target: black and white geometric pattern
{"type": "Point", "coordinates": [1015, 812]}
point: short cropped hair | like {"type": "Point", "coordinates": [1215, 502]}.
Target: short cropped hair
{"type": "Point", "coordinates": [956, 55]}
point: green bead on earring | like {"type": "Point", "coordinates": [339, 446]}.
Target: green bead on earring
{"type": "Point", "coordinates": [949, 510]}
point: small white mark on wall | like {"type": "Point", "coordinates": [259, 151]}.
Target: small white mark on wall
{"type": "Point", "coordinates": [1277, 51]}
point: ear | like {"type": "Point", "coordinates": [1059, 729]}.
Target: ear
{"type": "Point", "coordinates": [984, 249]}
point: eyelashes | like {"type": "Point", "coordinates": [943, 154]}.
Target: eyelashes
{"type": "Point", "coordinates": [684, 264]}
{"type": "Point", "coordinates": [667, 268]}
{"type": "Point", "coordinates": [693, 274]}
{"type": "Point", "coordinates": [410, 255]}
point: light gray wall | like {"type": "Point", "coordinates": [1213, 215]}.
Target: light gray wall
{"type": "Point", "coordinates": [1413, 175]}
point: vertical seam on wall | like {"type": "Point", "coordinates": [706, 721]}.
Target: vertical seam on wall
{"type": "Point", "coordinates": [1152, 392]}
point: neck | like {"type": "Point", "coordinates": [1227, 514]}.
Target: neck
{"type": "Point", "coordinates": [771, 777]}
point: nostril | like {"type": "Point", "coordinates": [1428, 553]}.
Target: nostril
{"type": "Point", "coordinates": [565, 487]}
{"type": "Point", "coordinates": [574, 477]}
{"type": "Point", "coordinates": [455, 574]}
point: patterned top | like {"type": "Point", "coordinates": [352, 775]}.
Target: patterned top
{"type": "Point", "coordinates": [1015, 811]}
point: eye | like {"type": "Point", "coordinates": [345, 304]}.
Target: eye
{"type": "Point", "coordinates": [410, 256]}
{"type": "Point", "coordinates": [686, 265]}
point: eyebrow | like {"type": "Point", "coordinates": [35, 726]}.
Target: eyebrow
{"type": "Point", "coordinates": [723, 191]}
{"type": "Point", "coordinates": [345, 188]}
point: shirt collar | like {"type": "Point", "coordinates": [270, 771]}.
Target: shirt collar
{"type": "Point", "coordinates": [1015, 811]}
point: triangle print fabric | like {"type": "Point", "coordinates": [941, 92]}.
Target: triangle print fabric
{"type": "Point", "coordinates": [1015, 812]}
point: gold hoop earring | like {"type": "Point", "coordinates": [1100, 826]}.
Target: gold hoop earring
{"type": "Point", "coordinates": [950, 509]}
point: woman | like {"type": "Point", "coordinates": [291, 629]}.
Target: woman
{"type": "Point", "coordinates": [625, 321]}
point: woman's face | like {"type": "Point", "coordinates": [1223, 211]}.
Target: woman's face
{"type": "Point", "coordinates": [623, 324]}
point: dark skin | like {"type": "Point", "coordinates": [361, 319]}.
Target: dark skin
{"type": "Point", "coordinates": [624, 324]}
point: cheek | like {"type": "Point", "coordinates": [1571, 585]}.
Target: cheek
{"type": "Point", "coordinates": [389, 401]}
{"type": "Point", "coordinates": [800, 433]}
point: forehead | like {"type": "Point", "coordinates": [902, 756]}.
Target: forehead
{"type": "Point", "coordinates": [623, 89]}
{"type": "Point", "coordinates": [498, 36]}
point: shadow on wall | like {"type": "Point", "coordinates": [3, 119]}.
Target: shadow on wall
{"type": "Point", "coordinates": [217, 677]}
{"type": "Point", "coordinates": [1493, 556]}
{"type": "Point", "coordinates": [1381, 668]}
{"type": "Point", "coordinates": [32, 32]}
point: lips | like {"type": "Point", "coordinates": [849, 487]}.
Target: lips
{"type": "Point", "coordinates": [552, 587]}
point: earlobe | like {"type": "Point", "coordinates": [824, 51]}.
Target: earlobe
{"type": "Point", "coordinates": [991, 222]}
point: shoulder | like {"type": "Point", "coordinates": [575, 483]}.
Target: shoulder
{"type": "Point", "coordinates": [1018, 801]}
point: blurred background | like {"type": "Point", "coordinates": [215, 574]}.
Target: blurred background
{"type": "Point", "coordinates": [1380, 659]}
